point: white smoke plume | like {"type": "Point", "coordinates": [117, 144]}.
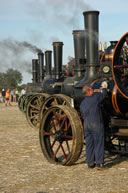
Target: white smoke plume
{"type": "Point", "coordinates": [58, 12]}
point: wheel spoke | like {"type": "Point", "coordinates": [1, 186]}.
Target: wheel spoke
{"type": "Point", "coordinates": [53, 124]}
{"type": "Point", "coordinates": [49, 134]}
{"type": "Point", "coordinates": [64, 103]}
{"type": "Point", "coordinates": [32, 117]}
{"type": "Point", "coordinates": [55, 116]}
{"type": "Point", "coordinates": [55, 102]}
{"type": "Point", "coordinates": [63, 122]}
{"type": "Point", "coordinates": [32, 111]}
{"type": "Point", "coordinates": [60, 112]}
{"type": "Point", "coordinates": [53, 143]}
{"type": "Point", "coordinates": [121, 66]}
{"type": "Point", "coordinates": [69, 125]}
{"type": "Point", "coordinates": [66, 125]}
{"type": "Point", "coordinates": [63, 151]}
{"type": "Point", "coordinates": [39, 101]}
{"type": "Point", "coordinates": [57, 150]}
{"type": "Point", "coordinates": [35, 107]}
{"type": "Point", "coordinates": [67, 137]}
{"type": "Point", "coordinates": [68, 146]}
{"type": "Point", "coordinates": [46, 108]}
{"type": "Point", "coordinates": [36, 102]}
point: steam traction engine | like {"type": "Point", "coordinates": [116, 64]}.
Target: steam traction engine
{"type": "Point", "coordinates": [55, 110]}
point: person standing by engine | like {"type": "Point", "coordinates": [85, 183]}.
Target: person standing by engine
{"type": "Point", "coordinates": [3, 95]}
{"type": "Point", "coordinates": [23, 91]}
{"type": "Point", "coordinates": [93, 125]}
{"type": "Point", "coordinates": [7, 97]}
{"type": "Point", "coordinates": [17, 95]}
{"type": "Point", "coordinates": [0, 97]}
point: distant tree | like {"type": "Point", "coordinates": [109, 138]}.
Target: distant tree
{"type": "Point", "coordinates": [10, 79]}
{"type": "Point", "coordinates": [2, 84]}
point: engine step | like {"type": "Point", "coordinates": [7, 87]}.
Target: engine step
{"type": "Point", "coordinates": [119, 122]}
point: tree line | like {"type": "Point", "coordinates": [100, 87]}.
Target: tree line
{"type": "Point", "coordinates": [10, 79]}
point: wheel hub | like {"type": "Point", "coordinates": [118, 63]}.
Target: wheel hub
{"type": "Point", "coordinates": [58, 135]}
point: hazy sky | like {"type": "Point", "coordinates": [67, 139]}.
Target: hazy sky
{"type": "Point", "coordinates": [26, 25]}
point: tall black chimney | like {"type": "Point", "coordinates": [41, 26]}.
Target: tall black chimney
{"type": "Point", "coordinates": [79, 51]}
{"type": "Point", "coordinates": [34, 70]}
{"type": "Point", "coordinates": [57, 49]}
{"type": "Point", "coordinates": [92, 41]}
{"type": "Point", "coordinates": [41, 66]}
{"type": "Point", "coordinates": [48, 63]}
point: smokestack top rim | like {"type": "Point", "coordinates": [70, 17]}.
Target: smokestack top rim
{"type": "Point", "coordinates": [57, 43]}
{"type": "Point", "coordinates": [91, 12]}
{"type": "Point", "coordinates": [34, 59]}
{"type": "Point", "coordinates": [40, 53]}
{"type": "Point", "coordinates": [77, 32]}
{"type": "Point", "coordinates": [48, 51]}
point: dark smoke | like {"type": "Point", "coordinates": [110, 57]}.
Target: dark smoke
{"type": "Point", "coordinates": [17, 46]}
{"type": "Point", "coordinates": [17, 55]}
{"type": "Point", "coordinates": [31, 47]}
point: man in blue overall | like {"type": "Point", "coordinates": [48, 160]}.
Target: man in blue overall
{"type": "Point", "coordinates": [93, 125]}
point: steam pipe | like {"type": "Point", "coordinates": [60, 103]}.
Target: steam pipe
{"type": "Point", "coordinates": [57, 50]}
{"type": "Point", "coordinates": [79, 51]}
{"type": "Point", "coordinates": [48, 62]}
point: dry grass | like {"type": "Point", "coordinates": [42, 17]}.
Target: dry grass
{"type": "Point", "coordinates": [24, 169]}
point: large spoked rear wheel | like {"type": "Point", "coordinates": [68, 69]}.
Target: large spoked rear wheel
{"type": "Point", "coordinates": [33, 109]}
{"type": "Point", "coordinates": [20, 100]}
{"type": "Point", "coordinates": [23, 100]}
{"type": "Point", "coordinates": [120, 65]}
{"type": "Point", "coordinates": [56, 99]}
{"type": "Point", "coordinates": [61, 135]}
